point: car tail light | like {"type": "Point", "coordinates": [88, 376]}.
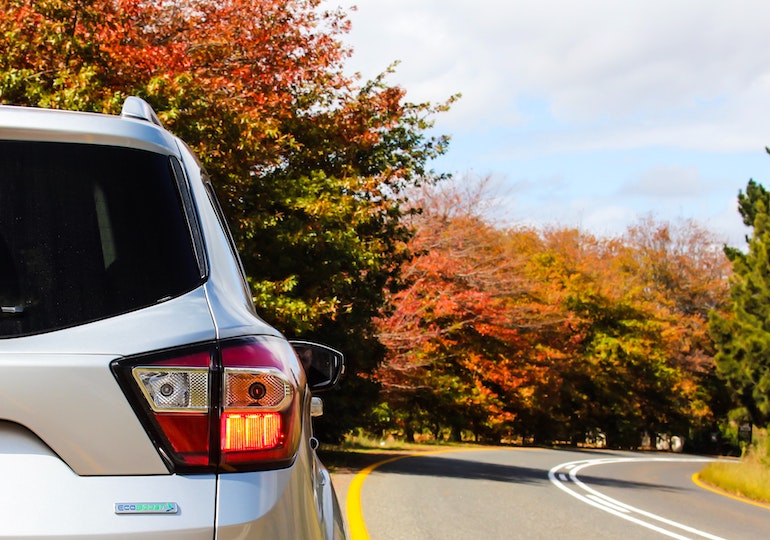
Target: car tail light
{"type": "Point", "coordinates": [218, 407]}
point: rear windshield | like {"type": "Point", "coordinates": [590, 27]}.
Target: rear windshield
{"type": "Point", "coordinates": [87, 232]}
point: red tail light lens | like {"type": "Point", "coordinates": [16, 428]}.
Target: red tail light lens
{"type": "Point", "coordinates": [176, 392]}
{"type": "Point", "coordinates": [219, 408]}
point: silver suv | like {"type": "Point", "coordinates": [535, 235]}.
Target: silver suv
{"type": "Point", "coordinates": [140, 394]}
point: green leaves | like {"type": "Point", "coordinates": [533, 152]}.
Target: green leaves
{"type": "Point", "coordinates": [311, 165]}
{"type": "Point", "coordinates": [550, 335]}
{"type": "Point", "coordinates": [742, 338]}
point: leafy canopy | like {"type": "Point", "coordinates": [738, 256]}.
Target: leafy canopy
{"type": "Point", "coordinates": [549, 335]}
{"type": "Point", "coordinates": [310, 164]}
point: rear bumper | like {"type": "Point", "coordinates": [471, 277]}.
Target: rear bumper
{"type": "Point", "coordinates": [41, 498]}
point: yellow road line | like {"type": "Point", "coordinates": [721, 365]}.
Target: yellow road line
{"type": "Point", "coordinates": [355, 515]}
{"type": "Point", "coordinates": [698, 482]}
{"type": "Point", "coordinates": [356, 522]}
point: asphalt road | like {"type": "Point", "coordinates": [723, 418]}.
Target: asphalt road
{"type": "Point", "coordinates": [539, 493]}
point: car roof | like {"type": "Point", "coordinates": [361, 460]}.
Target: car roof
{"type": "Point", "coordinates": [135, 128]}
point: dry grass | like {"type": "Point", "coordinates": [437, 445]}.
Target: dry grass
{"type": "Point", "coordinates": [749, 477]}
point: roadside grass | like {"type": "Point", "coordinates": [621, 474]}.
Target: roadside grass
{"type": "Point", "coordinates": [749, 477]}
{"type": "Point", "coordinates": [339, 460]}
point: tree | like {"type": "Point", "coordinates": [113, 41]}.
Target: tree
{"type": "Point", "coordinates": [642, 304]}
{"type": "Point", "coordinates": [742, 337]}
{"type": "Point", "coordinates": [462, 334]}
{"type": "Point", "coordinates": [550, 335]}
{"type": "Point", "coordinates": [444, 321]}
{"type": "Point", "coordinates": [311, 165]}
{"type": "Point", "coordinates": [682, 273]}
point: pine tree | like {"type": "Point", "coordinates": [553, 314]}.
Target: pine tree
{"type": "Point", "coordinates": [742, 338]}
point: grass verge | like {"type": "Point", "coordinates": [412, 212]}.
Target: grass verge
{"type": "Point", "coordinates": [748, 479]}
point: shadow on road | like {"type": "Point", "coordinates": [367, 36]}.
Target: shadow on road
{"type": "Point", "coordinates": [471, 467]}
{"type": "Point", "coordinates": [448, 467]}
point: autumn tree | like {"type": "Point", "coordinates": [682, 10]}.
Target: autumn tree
{"type": "Point", "coordinates": [742, 337]}
{"type": "Point", "coordinates": [429, 371]}
{"type": "Point", "coordinates": [459, 337]}
{"type": "Point", "coordinates": [682, 274]}
{"type": "Point", "coordinates": [637, 305]}
{"type": "Point", "coordinates": [311, 165]}
{"type": "Point", "coordinates": [549, 335]}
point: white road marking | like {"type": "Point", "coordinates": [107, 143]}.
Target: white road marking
{"type": "Point", "coordinates": [608, 504]}
{"type": "Point", "coordinates": [618, 508]}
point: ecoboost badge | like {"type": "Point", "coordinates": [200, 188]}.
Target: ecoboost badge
{"type": "Point", "coordinates": [147, 508]}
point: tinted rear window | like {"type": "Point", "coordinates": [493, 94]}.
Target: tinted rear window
{"type": "Point", "coordinates": [87, 232]}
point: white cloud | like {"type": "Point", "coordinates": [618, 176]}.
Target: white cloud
{"type": "Point", "coordinates": [598, 64]}
{"type": "Point", "coordinates": [558, 94]}
{"type": "Point", "coordinates": [732, 230]}
{"type": "Point", "coordinates": [671, 181]}
{"type": "Point", "coordinates": [608, 220]}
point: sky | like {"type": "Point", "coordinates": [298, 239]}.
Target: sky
{"type": "Point", "coordinates": [590, 114]}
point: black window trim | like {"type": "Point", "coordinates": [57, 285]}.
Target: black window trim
{"type": "Point", "coordinates": [191, 216]}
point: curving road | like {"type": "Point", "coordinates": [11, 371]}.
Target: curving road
{"type": "Point", "coordinates": [539, 493]}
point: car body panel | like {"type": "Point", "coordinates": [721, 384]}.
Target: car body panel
{"type": "Point", "coordinates": [47, 369]}
{"type": "Point", "coordinates": [96, 434]}
{"type": "Point", "coordinates": [231, 302]}
{"type": "Point", "coordinates": [49, 500]}
{"type": "Point", "coordinates": [186, 319]}
{"type": "Point", "coordinates": [264, 504]}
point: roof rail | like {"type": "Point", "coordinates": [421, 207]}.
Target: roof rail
{"type": "Point", "coordinates": [135, 107]}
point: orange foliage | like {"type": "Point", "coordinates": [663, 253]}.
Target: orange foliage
{"type": "Point", "coordinates": [556, 333]}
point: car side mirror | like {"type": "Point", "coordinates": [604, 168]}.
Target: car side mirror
{"type": "Point", "coordinates": [323, 365]}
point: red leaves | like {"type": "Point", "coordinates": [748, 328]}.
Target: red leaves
{"type": "Point", "coordinates": [256, 52]}
{"type": "Point", "coordinates": [525, 325]}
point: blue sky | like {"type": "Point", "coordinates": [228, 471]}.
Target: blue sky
{"type": "Point", "coordinates": [592, 113]}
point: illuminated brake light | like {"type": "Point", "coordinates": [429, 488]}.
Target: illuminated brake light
{"type": "Point", "coordinates": [251, 431]}
{"type": "Point", "coordinates": [259, 421]}
{"type": "Point", "coordinates": [254, 401]}
{"type": "Point", "coordinates": [218, 407]}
